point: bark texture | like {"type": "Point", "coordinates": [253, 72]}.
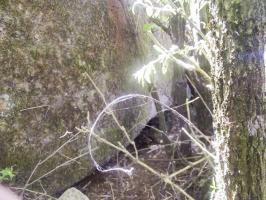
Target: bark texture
{"type": "Point", "coordinates": [239, 116]}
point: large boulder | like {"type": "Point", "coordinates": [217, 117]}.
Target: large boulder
{"type": "Point", "coordinates": [46, 47]}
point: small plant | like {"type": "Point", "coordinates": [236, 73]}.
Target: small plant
{"type": "Point", "coordinates": [184, 56]}
{"type": "Point", "coordinates": [7, 174]}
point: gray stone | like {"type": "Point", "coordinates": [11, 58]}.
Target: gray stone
{"type": "Point", "coordinates": [73, 194]}
{"type": "Point", "coordinates": [46, 48]}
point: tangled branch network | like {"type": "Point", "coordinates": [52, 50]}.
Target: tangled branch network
{"type": "Point", "coordinates": [120, 99]}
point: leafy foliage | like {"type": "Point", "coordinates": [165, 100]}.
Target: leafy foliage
{"type": "Point", "coordinates": [7, 174]}
{"type": "Point", "coordinates": [197, 44]}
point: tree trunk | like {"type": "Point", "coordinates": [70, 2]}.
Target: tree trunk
{"type": "Point", "coordinates": [179, 90]}
{"type": "Point", "coordinates": [239, 115]}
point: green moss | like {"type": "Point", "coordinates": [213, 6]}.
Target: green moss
{"type": "Point", "coordinates": [46, 47]}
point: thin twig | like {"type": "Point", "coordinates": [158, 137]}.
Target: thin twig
{"type": "Point", "coordinates": [57, 167]}
{"type": "Point", "coordinates": [32, 173]}
{"type": "Point", "coordinates": [34, 192]}
{"type": "Point", "coordinates": [187, 167]}
{"type": "Point", "coordinates": [35, 107]}
{"type": "Point", "coordinates": [202, 99]}
{"type": "Point", "coordinates": [198, 143]}
{"type": "Point", "coordinates": [113, 115]}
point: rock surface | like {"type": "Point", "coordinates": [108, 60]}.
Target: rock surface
{"type": "Point", "coordinates": [73, 194]}
{"type": "Point", "coordinates": [46, 47]}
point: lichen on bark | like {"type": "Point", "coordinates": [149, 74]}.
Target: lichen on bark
{"type": "Point", "coordinates": [238, 100]}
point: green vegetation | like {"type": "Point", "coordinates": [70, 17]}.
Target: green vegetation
{"type": "Point", "coordinates": [7, 174]}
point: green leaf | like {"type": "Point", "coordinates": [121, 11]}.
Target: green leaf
{"type": "Point", "coordinates": [147, 27]}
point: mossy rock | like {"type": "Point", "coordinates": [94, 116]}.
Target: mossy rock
{"type": "Point", "coordinates": [46, 47]}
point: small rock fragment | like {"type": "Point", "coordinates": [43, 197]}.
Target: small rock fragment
{"type": "Point", "coordinates": [73, 194]}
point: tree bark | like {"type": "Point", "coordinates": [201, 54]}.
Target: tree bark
{"type": "Point", "coordinates": [239, 115]}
